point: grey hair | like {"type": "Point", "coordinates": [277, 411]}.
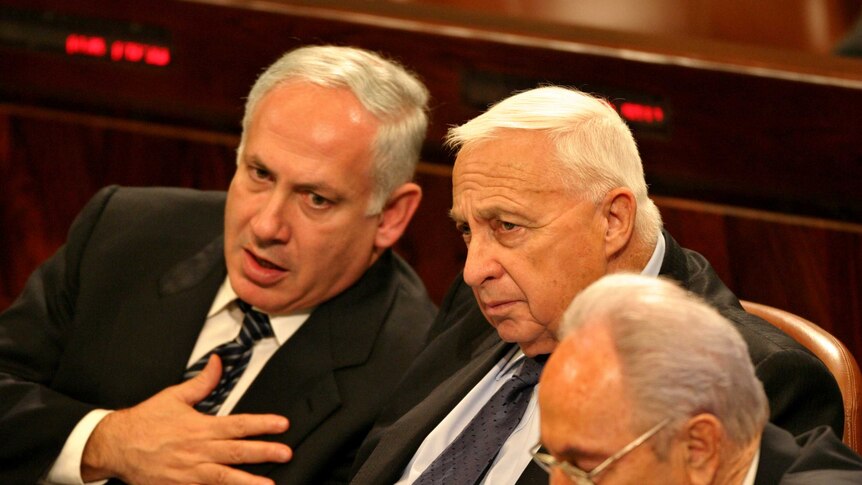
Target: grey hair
{"type": "Point", "coordinates": [386, 89]}
{"type": "Point", "coordinates": [595, 147]}
{"type": "Point", "coordinates": [679, 356]}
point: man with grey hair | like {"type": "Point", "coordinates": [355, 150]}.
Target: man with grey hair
{"type": "Point", "coordinates": [549, 196]}
{"type": "Point", "coordinates": [649, 384]}
{"type": "Point", "coordinates": [250, 337]}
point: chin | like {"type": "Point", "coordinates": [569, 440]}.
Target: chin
{"type": "Point", "coordinates": [544, 346]}
{"type": "Point", "coordinates": [531, 345]}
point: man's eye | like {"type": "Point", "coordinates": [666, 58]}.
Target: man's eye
{"type": "Point", "coordinates": [463, 228]}
{"type": "Point", "coordinates": [259, 173]}
{"type": "Point", "coordinates": [318, 201]}
{"type": "Point", "coordinates": [508, 226]}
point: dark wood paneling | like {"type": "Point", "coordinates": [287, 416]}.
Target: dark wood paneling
{"type": "Point", "coordinates": [811, 267]}
{"type": "Point", "coordinates": [747, 125]}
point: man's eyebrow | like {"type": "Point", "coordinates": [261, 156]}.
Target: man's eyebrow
{"type": "Point", "coordinates": [321, 188]}
{"type": "Point", "coordinates": [573, 453]}
{"type": "Point", "coordinates": [493, 211]}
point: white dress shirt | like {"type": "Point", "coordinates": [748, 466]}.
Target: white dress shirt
{"type": "Point", "coordinates": [514, 456]}
{"type": "Point", "coordinates": [223, 324]}
{"type": "Point", "coordinates": [752, 469]}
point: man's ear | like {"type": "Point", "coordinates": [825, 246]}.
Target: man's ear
{"type": "Point", "coordinates": [399, 209]}
{"type": "Point", "coordinates": [619, 208]}
{"type": "Point", "coordinates": [703, 436]}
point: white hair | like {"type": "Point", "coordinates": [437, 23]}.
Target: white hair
{"type": "Point", "coordinates": [594, 146]}
{"type": "Point", "coordinates": [386, 89]}
{"type": "Point", "coordinates": [679, 356]}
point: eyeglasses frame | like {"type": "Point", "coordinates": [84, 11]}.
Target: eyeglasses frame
{"type": "Point", "coordinates": [581, 477]}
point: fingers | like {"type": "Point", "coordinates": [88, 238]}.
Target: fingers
{"type": "Point", "coordinates": [224, 475]}
{"type": "Point", "coordinates": [163, 440]}
{"type": "Point", "coordinates": [233, 452]}
{"type": "Point", "coordinates": [245, 425]}
{"type": "Point", "coordinates": [197, 388]}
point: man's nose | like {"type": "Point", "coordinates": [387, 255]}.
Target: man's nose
{"type": "Point", "coordinates": [482, 264]}
{"type": "Point", "coordinates": [271, 223]}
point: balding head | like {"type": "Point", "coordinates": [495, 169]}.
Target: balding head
{"type": "Point", "coordinates": [639, 351]}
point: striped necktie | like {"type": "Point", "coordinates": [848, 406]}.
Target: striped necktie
{"type": "Point", "coordinates": [234, 355]}
{"type": "Point", "coordinates": [467, 459]}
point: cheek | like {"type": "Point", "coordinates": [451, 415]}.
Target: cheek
{"type": "Point", "coordinates": [338, 242]}
{"type": "Point", "coordinates": [239, 208]}
{"type": "Point", "coordinates": [646, 469]}
{"type": "Point", "coordinates": [574, 269]}
{"type": "Point", "coordinates": [231, 224]}
{"type": "Point", "coordinates": [234, 230]}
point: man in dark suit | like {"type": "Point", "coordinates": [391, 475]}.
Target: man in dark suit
{"type": "Point", "coordinates": [278, 306]}
{"type": "Point", "coordinates": [649, 384]}
{"type": "Point", "coordinates": [549, 194]}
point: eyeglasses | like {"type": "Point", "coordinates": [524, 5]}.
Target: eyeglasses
{"type": "Point", "coordinates": [581, 477]}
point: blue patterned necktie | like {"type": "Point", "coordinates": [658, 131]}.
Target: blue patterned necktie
{"type": "Point", "coordinates": [466, 460]}
{"type": "Point", "coordinates": [234, 357]}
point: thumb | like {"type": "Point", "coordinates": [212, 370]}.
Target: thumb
{"type": "Point", "coordinates": [200, 386]}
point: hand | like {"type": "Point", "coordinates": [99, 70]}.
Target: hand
{"type": "Point", "coordinates": [164, 440]}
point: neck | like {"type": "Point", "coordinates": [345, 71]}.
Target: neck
{"type": "Point", "coordinates": [633, 257]}
{"type": "Point", "coordinates": [736, 464]}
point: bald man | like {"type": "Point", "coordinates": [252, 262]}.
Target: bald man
{"type": "Point", "coordinates": [651, 385]}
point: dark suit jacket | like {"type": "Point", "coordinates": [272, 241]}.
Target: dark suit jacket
{"type": "Point", "coordinates": [801, 391]}
{"type": "Point", "coordinates": [112, 318]}
{"type": "Point", "coordinates": [815, 457]}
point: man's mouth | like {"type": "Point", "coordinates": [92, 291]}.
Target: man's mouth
{"type": "Point", "coordinates": [265, 263]}
{"type": "Point", "coordinates": [497, 307]}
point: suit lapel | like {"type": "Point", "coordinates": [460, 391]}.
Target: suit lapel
{"type": "Point", "coordinates": [297, 382]}
{"type": "Point", "coordinates": [160, 326]}
{"type": "Point", "coordinates": [401, 440]}
{"type": "Point", "coordinates": [673, 264]}
{"type": "Point", "coordinates": [300, 379]}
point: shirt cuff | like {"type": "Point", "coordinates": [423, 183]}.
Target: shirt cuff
{"type": "Point", "coordinates": [67, 468]}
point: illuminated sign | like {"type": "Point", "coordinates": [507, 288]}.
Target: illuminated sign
{"type": "Point", "coordinates": [119, 50]}
{"type": "Point", "coordinates": [112, 41]}
{"type": "Point", "coordinates": [633, 112]}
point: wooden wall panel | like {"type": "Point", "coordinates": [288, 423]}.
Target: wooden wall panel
{"type": "Point", "coordinates": [51, 163]}
{"type": "Point", "coordinates": [746, 125]}
{"type": "Point", "coordinates": [811, 267]}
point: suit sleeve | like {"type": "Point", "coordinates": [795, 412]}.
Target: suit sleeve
{"type": "Point", "coordinates": [35, 419]}
{"type": "Point", "coordinates": [802, 393]}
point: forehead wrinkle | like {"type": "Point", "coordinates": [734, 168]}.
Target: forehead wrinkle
{"type": "Point", "coordinates": [495, 195]}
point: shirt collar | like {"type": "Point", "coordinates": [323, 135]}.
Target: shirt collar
{"type": "Point", "coordinates": [224, 297]}
{"type": "Point", "coordinates": [283, 326]}
{"type": "Point", "coordinates": [653, 266]}
{"type": "Point", "coordinates": [752, 469]}
{"type": "Point", "coordinates": [508, 363]}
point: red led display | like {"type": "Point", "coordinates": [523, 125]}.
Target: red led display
{"type": "Point", "coordinates": [641, 113]}
{"type": "Point", "coordinates": [118, 50]}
